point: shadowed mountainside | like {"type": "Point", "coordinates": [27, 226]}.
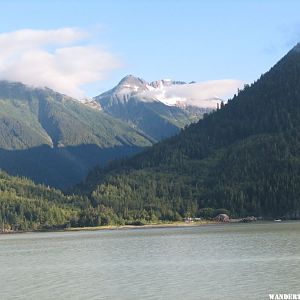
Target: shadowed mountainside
{"type": "Point", "coordinates": [55, 139]}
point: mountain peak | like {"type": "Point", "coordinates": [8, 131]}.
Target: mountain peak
{"type": "Point", "coordinates": [132, 81]}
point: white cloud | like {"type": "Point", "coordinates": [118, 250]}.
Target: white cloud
{"type": "Point", "coordinates": [203, 94]}
{"type": "Point", "coordinates": [61, 59]}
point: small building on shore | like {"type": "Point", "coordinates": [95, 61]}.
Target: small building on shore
{"type": "Point", "coordinates": [222, 218]}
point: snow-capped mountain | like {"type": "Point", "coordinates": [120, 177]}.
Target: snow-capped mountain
{"type": "Point", "coordinates": [137, 102]}
{"type": "Point", "coordinates": [127, 88]}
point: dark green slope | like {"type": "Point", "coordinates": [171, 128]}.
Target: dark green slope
{"type": "Point", "coordinates": [54, 139]}
{"type": "Point", "coordinates": [24, 205]}
{"type": "Point", "coordinates": [27, 206]}
{"type": "Point", "coordinates": [244, 157]}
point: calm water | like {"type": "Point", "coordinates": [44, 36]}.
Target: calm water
{"type": "Point", "coordinates": [238, 261]}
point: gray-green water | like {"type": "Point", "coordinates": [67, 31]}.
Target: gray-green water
{"type": "Point", "coordinates": [238, 261]}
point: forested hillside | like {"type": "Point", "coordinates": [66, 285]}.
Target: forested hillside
{"type": "Point", "coordinates": [243, 158]}
{"type": "Point", "coordinates": [27, 206]}
{"type": "Point", "coordinates": [24, 205]}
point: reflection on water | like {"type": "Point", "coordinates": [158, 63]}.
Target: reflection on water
{"type": "Point", "coordinates": [238, 261]}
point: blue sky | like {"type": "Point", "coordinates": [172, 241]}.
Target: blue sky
{"type": "Point", "coordinates": [183, 40]}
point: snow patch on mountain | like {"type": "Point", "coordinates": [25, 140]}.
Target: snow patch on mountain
{"type": "Point", "coordinates": [204, 94]}
{"type": "Point", "coordinates": [91, 103]}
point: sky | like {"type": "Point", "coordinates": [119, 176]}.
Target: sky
{"type": "Point", "coordinates": [83, 48]}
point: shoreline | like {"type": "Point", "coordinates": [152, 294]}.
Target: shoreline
{"type": "Point", "coordinates": [145, 226]}
{"type": "Point", "coordinates": [177, 224]}
{"type": "Point", "coordinates": [118, 227]}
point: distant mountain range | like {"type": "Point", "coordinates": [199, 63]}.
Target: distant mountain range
{"type": "Point", "coordinates": [56, 139]}
{"type": "Point", "coordinates": [133, 101]}
{"type": "Point", "coordinates": [169, 92]}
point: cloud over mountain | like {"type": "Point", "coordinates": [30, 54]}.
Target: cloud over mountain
{"type": "Point", "coordinates": [63, 59]}
{"type": "Point", "coordinates": [202, 94]}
